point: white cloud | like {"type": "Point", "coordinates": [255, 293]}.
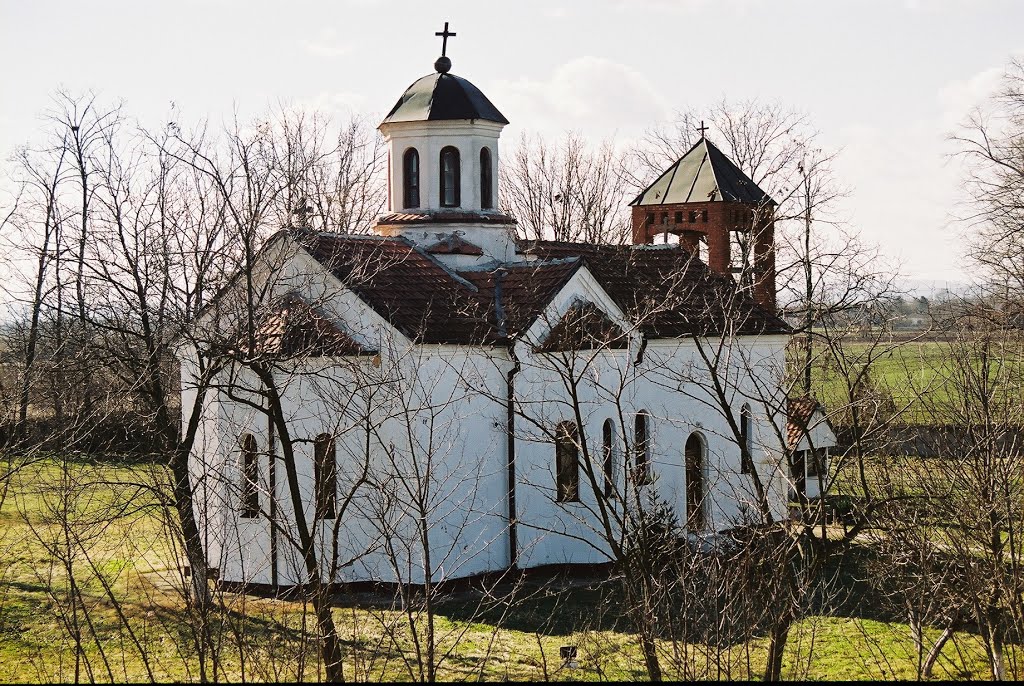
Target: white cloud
{"type": "Point", "coordinates": [593, 95]}
{"type": "Point", "coordinates": [739, 7]}
{"type": "Point", "coordinates": [345, 104]}
{"type": "Point", "coordinates": [327, 43]}
{"type": "Point", "coordinates": [960, 96]}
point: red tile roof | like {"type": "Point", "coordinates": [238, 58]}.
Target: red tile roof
{"type": "Point", "coordinates": [406, 286]}
{"type": "Point", "coordinates": [666, 291]}
{"type": "Point", "coordinates": [669, 294]}
{"type": "Point", "coordinates": [526, 289]}
{"type": "Point", "coordinates": [445, 217]}
{"type": "Point", "coordinates": [799, 412]}
{"type": "Point", "coordinates": [296, 328]}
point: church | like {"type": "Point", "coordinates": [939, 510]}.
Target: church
{"type": "Point", "coordinates": [441, 399]}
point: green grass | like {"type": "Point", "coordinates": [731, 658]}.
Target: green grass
{"type": "Point", "coordinates": [922, 378]}
{"type": "Point", "coordinates": [261, 639]}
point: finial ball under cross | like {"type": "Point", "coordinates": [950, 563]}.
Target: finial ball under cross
{"type": "Point", "coordinates": [702, 128]}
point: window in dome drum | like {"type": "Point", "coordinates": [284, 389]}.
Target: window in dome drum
{"type": "Point", "coordinates": [486, 180]}
{"type": "Point", "coordinates": [411, 178]}
{"type": "Point", "coordinates": [450, 177]}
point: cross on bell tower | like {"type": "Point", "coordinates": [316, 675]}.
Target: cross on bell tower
{"type": "Point", "coordinates": [703, 129]}
{"type": "Point", "coordinates": [302, 213]}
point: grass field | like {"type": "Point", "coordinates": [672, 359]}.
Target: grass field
{"type": "Point", "coordinates": [135, 626]}
{"type": "Point", "coordinates": [920, 377]}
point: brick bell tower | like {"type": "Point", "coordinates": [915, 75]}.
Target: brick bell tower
{"type": "Point", "coordinates": [704, 197]}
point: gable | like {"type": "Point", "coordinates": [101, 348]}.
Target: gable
{"type": "Point", "coordinates": [295, 328]}
{"type": "Point", "coordinates": [584, 326]}
{"type": "Point", "coordinates": [665, 290]}
{"type": "Point", "coordinates": [579, 315]}
{"type": "Point", "coordinates": [807, 425]}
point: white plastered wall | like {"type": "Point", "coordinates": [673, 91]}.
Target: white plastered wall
{"type": "Point", "coordinates": [669, 385]}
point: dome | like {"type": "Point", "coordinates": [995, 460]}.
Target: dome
{"type": "Point", "coordinates": [441, 96]}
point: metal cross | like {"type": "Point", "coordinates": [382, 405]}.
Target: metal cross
{"type": "Point", "coordinates": [444, 35]}
{"type": "Point", "coordinates": [302, 212]}
{"type": "Point", "coordinates": [702, 128]}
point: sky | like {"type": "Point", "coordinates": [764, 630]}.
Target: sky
{"type": "Point", "coordinates": [885, 81]}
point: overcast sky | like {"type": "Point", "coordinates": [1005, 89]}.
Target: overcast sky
{"type": "Point", "coordinates": [884, 80]}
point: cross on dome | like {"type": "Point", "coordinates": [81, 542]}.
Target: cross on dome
{"type": "Point", "coordinates": [444, 35]}
{"type": "Point", "coordinates": [443, 63]}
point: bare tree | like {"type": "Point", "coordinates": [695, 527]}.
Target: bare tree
{"type": "Point", "coordinates": [565, 190]}
{"type": "Point", "coordinates": [991, 142]}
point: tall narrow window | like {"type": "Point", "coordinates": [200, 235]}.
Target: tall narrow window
{"type": "Point", "coordinates": [411, 178]}
{"type": "Point", "coordinates": [696, 515]}
{"type": "Point", "coordinates": [816, 465]}
{"type": "Point", "coordinates": [325, 476]}
{"type": "Point", "coordinates": [746, 441]}
{"type": "Point", "coordinates": [450, 177]}
{"type": "Point", "coordinates": [486, 180]}
{"type": "Point", "coordinates": [250, 477]}
{"type": "Point", "coordinates": [567, 462]}
{"type": "Point", "coordinates": [642, 448]}
{"type": "Point", "coordinates": [798, 472]}
{"type": "Point", "coordinates": [608, 456]}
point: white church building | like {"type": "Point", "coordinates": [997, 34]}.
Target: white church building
{"type": "Point", "coordinates": [443, 398]}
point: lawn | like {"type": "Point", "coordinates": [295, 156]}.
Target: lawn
{"type": "Point", "coordinates": [922, 378]}
{"type": "Point", "coordinates": [126, 607]}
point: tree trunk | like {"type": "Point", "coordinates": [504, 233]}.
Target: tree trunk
{"type": "Point", "coordinates": [933, 655]}
{"type": "Point", "coordinates": [777, 646]}
{"type": "Point", "coordinates": [330, 643]}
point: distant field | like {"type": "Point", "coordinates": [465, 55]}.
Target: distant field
{"type": "Point", "coordinates": [921, 378]}
{"type": "Point", "coordinates": [122, 554]}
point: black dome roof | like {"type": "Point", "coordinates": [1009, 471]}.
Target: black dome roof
{"type": "Point", "coordinates": [440, 96]}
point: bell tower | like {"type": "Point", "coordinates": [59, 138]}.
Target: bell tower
{"type": "Point", "coordinates": [705, 198]}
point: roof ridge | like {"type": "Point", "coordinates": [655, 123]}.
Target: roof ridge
{"type": "Point", "coordinates": [433, 90]}
{"type": "Point", "coordinates": [711, 166]}
{"type": "Point", "coordinates": [450, 272]}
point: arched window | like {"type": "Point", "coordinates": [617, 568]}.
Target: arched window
{"type": "Point", "coordinates": [746, 440]}
{"type": "Point", "coordinates": [695, 483]}
{"type": "Point", "coordinates": [486, 180]}
{"type": "Point", "coordinates": [411, 178]}
{"type": "Point", "coordinates": [608, 456]}
{"type": "Point", "coordinates": [567, 462]}
{"type": "Point", "coordinates": [450, 177]}
{"type": "Point", "coordinates": [642, 448]}
{"type": "Point", "coordinates": [250, 506]}
{"type": "Point", "coordinates": [325, 476]}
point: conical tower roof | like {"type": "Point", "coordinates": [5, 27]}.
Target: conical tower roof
{"type": "Point", "coordinates": [703, 174]}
